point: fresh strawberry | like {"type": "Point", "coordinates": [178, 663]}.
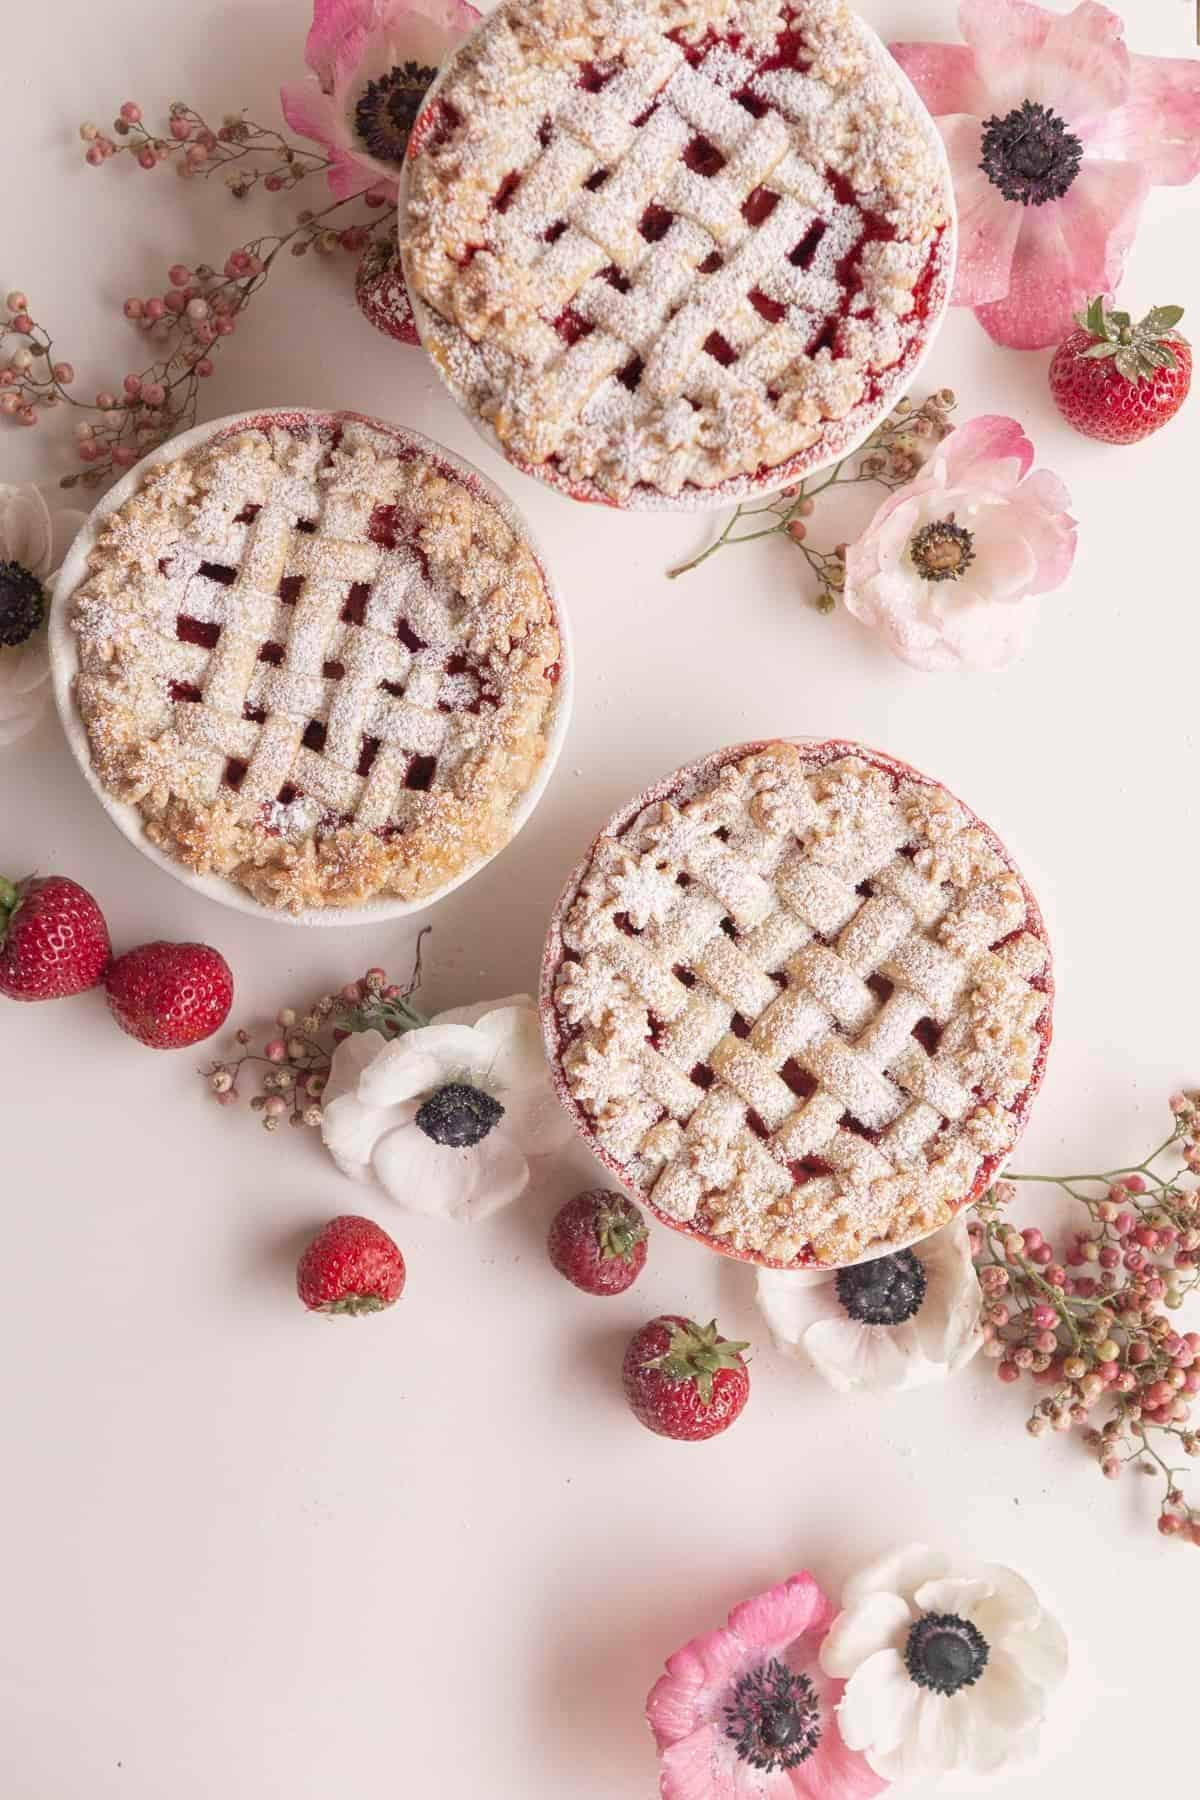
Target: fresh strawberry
{"type": "Point", "coordinates": [1118, 381]}
{"type": "Point", "coordinates": [598, 1241]}
{"type": "Point", "coordinates": [382, 295]}
{"type": "Point", "coordinates": [53, 939]}
{"type": "Point", "coordinates": [352, 1267]}
{"type": "Point", "coordinates": [685, 1380]}
{"type": "Point", "coordinates": [170, 995]}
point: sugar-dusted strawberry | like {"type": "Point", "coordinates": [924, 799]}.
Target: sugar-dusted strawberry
{"type": "Point", "coordinates": [382, 295]}
{"type": "Point", "coordinates": [685, 1380]}
{"type": "Point", "coordinates": [1117, 381]}
{"type": "Point", "coordinates": [351, 1267]}
{"type": "Point", "coordinates": [170, 995]}
{"type": "Point", "coordinates": [598, 1241]}
{"type": "Point", "coordinates": [53, 939]}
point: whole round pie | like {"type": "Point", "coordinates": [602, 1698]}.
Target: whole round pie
{"type": "Point", "coordinates": [320, 660]}
{"type": "Point", "coordinates": [798, 999]}
{"type": "Point", "coordinates": [665, 253]}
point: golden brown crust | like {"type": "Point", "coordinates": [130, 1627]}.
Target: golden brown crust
{"type": "Point", "coordinates": [320, 668]}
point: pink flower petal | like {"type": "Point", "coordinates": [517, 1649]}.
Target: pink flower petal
{"type": "Point", "coordinates": [1048, 528]}
{"type": "Point", "coordinates": [310, 112]}
{"type": "Point", "coordinates": [1100, 218]}
{"type": "Point", "coordinates": [1082, 68]}
{"type": "Point", "coordinates": [348, 177]}
{"type": "Point", "coordinates": [773, 1620]}
{"type": "Point", "coordinates": [1037, 310]}
{"type": "Point", "coordinates": [970, 452]}
{"type": "Point", "coordinates": [1006, 36]}
{"type": "Point", "coordinates": [945, 77]}
{"type": "Point", "coordinates": [699, 1767]}
{"type": "Point", "coordinates": [333, 22]}
{"type": "Point", "coordinates": [988, 224]}
{"type": "Point", "coordinates": [1158, 128]}
{"type": "Point", "coordinates": [834, 1771]}
{"type": "Point", "coordinates": [690, 1692]}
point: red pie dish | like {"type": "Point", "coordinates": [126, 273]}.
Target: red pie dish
{"type": "Point", "coordinates": [798, 1000]}
{"type": "Point", "coordinates": [674, 254]}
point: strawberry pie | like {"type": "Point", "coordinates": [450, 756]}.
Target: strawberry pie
{"type": "Point", "coordinates": [320, 661]}
{"type": "Point", "coordinates": [670, 252]}
{"type": "Point", "coordinates": [798, 999]}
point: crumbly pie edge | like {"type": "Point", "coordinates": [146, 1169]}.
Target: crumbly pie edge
{"type": "Point", "coordinates": [827, 416]}
{"type": "Point", "coordinates": [455, 828]}
{"type": "Point", "coordinates": [1014, 1037]}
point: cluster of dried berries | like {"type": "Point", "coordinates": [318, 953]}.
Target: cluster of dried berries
{"type": "Point", "coordinates": [296, 1058]}
{"type": "Point", "coordinates": [890, 458]}
{"type": "Point", "coordinates": [195, 148]}
{"type": "Point", "coordinates": [200, 305]}
{"type": "Point", "coordinates": [1091, 1324]}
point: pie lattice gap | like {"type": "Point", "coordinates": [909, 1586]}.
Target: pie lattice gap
{"type": "Point", "coordinates": [804, 1010]}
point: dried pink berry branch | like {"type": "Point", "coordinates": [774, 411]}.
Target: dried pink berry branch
{"type": "Point", "coordinates": [1103, 1341]}
{"type": "Point", "coordinates": [199, 307]}
{"type": "Point", "coordinates": [297, 1057]}
{"type": "Point", "coordinates": [195, 148]}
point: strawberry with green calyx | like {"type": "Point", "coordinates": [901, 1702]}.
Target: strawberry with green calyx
{"type": "Point", "coordinates": [598, 1241]}
{"type": "Point", "coordinates": [684, 1380]}
{"type": "Point", "coordinates": [1119, 381]}
{"type": "Point", "coordinates": [53, 939]}
{"type": "Point", "coordinates": [351, 1268]}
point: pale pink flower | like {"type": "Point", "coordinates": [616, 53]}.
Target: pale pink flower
{"type": "Point", "coordinates": [373, 61]}
{"type": "Point", "coordinates": [745, 1713]}
{"type": "Point", "coordinates": [950, 566]}
{"type": "Point", "coordinates": [1081, 129]}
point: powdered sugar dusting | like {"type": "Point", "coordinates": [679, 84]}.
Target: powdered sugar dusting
{"type": "Point", "coordinates": [752, 228]}
{"type": "Point", "coordinates": [836, 1071]}
{"type": "Point", "coordinates": [318, 660]}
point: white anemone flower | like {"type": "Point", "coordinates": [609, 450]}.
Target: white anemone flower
{"type": "Point", "coordinates": [446, 1117]}
{"type": "Point", "coordinates": [948, 1666]}
{"type": "Point", "coordinates": [900, 1321]}
{"type": "Point", "coordinates": [32, 545]}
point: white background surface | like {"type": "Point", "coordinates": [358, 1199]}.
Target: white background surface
{"type": "Point", "coordinates": [248, 1553]}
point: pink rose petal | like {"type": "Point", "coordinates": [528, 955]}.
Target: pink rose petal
{"type": "Point", "coordinates": [945, 77]}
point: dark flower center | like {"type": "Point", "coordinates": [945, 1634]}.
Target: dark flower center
{"type": "Point", "coordinates": [1031, 154]}
{"type": "Point", "coordinates": [385, 114]}
{"type": "Point", "coordinates": [888, 1291]}
{"type": "Point", "coordinates": [773, 1717]}
{"type": "Point", "coordinates": [945, 1653]}
{"type": "Point", "coordinates": [459, 1116]}
{"type": "Point", "coordinates": [942, 550]}
{"type": "Point", "coordinates": [22, 604]}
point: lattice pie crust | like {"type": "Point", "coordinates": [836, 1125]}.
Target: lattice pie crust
{"type": "Point", "coordinates": [318, 661]}
{"type": "Point", "coordinates": [666, 245]}
{"type": "Point", "coordinates": [799, 1001]}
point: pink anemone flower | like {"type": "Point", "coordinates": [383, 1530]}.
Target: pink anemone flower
{"type": "Point", "coordinates": [745, 1712]}
{"type": "Point", "coordinates": [1055, 133]}
{"type": "Point", "coordinates": [949, 568]}
{"type": "Point", "coordinates": [373, 61]}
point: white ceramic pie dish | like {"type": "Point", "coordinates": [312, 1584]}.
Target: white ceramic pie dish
{"type": "Point", "coordinates": [836, 445]}
{"type": "Point", "coordinates": [64, 665]}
